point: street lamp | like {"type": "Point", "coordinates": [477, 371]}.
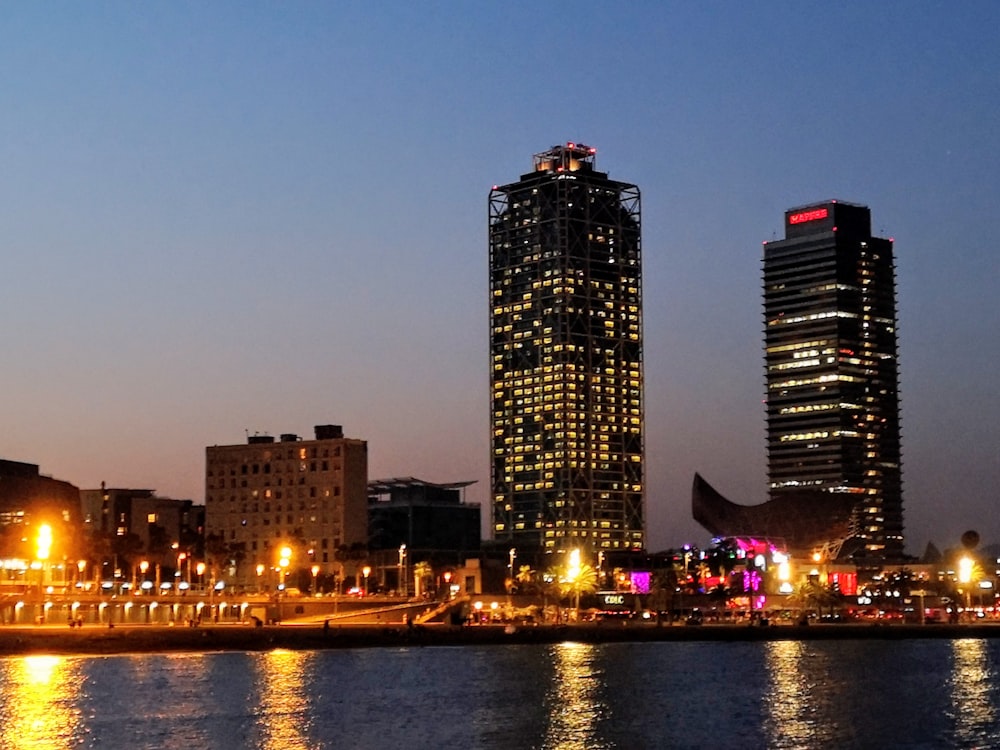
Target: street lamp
{"type": "Point", "coordinates": [402, 570]}
{"type": "Point", "coordinates": [572, 573]}
{"type": "Point", "coordinates": [965, 578]}
{"type": "Point", "coordinates": [315, 571]}
{"type": "Point", "coordinates": [284, 561]}
{"type": "Point", "coordinates": [366, 571]}
{"type": "Point", "coordinates": [510, 566]}
{"type": "Point", "coordinates": [43, 544]}
{"type": "Point", "coordinates": [784, 573]}
{"type": "Point", "coordinates": [143, 567]}
{"type": "Point", "coordinates": [43, 547]}
{"type": "Point", "coordinates": [179, 573]}
{"type": "Point", "coordinates": [260, 572]}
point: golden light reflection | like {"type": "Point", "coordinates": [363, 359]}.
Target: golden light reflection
{"type": "Point", "coordinates": [283, 709]}
{"type": "Point", "coordinates": [786, 706]}
{"type": "Point", "coordinates": [972, 704]}
{"type": "Point", "coordinates": [39, 702]}
{"type": "Point", "coordinates": [575, 709]}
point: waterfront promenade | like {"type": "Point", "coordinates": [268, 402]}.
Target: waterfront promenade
{"type": "Point", "coordinates": [141, 639]}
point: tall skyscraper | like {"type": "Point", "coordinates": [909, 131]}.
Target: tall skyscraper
{"type": "Point", "coordinates": [566, 357]}
{"type": "Point", "coordinates": [832, 371]}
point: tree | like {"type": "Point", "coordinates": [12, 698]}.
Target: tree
{"type": "Point", "coordinates": [216, 552]}
{"type": "Point", "coordinates": [815, 594]}
{"type": "Point", "coordinates": [576, 582]}
{"type": "Point", "coordinates": [662, 591]}
{"type": "Point", "coordinates": [526, 579]}
{"type": "Point", "coordinates": [550, 586]}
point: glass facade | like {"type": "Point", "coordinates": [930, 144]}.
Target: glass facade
{"type": "Point", "coordinates": [831, 367]}
{"type": "Point", "coordinates": [566, 357]}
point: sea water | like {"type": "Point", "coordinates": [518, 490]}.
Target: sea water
{"type": "Point", "coordinates": [788, 694]}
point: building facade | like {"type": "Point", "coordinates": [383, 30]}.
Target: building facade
{"type": "Point", "coordinates": [309, 496]}
{"type": "Point", "coordinates": [831, 367]}
{"type": "Point", "coordinates": [566, 357]}
{"type": "Point", "coordinates": [137, 525]}
{"type": "Point", "coordinates": [430, 519]}
{"type": "Point", "coordinates": [32, 507]}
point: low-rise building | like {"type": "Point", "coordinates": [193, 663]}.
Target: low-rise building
{"type": "Point", "coordinates": [304, 496]}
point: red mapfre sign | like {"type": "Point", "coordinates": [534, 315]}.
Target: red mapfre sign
{"type": "Point", "coordinates": [815, 215]}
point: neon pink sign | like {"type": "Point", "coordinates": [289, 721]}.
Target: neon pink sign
{"type": "Point", "coordinates": [815, 215]}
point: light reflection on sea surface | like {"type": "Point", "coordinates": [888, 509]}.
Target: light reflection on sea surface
{"type": "Point", "coordinates": [282, 713]}
{"type": "Point", "coordinates": [40, 701]}
{"type": "Point", "coordinates": [845, 694]}
{"type": "Point", "coordinates": [573, 703]}
{"type": "Point", "coordinates": [973, 693]}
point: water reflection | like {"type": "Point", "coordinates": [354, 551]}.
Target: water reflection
{"type": "Point", "coordinates": [39, 702]}
{"type": "Point", "coordinates": [972, 704]}
{"type": "Point", "coordinates": [283, 711]}
{"type": "Point", "coordinates": [787, 707]}
{"type": "Point", "coordinates": [574, 704]}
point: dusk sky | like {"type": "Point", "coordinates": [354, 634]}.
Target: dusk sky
{"type": "Point", "coordinates": [228, 217]}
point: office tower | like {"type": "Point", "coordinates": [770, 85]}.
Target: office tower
{"type": "Point", "coordinates": [309, 496]}
{"type": "Point", "coordinates": [566, 357]}
{"type": "Point", "coordinates": [832, 372]}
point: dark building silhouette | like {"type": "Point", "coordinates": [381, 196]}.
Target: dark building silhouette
{"type": "Point", "coordinates": [141, 524]}
{"type": "Point", "coordinates": [33, 506]}
{"type": "Point", "coordinates": [831, 368]}
{"type": "Point", "coordinates": [426, 517]}
{"type": "Point", "coordinates": [566, 357]}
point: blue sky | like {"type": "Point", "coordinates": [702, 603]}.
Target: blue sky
{"type": "Point", "coordinates": [264, 216]}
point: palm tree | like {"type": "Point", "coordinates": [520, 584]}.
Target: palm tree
{"type": "Point", "coordinates": [578, 581]}
{"type": "Point", "coordinates": [526, 579]}
{"type": "Point", "coordinates": [662, 590]}
{"type": "Point", "coordinates": [550, 586]}
{"type": "Point", "coordinates": [816, 594]}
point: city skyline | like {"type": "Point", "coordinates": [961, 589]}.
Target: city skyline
{"type": "Point", "coordinates": [215, 220]}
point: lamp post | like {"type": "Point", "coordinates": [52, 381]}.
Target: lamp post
{"type": "Point", "coordinates": [260, 573]}
{"type": "Point", "coordinates": [510, 588]}
{"type": "Point", "coordinates": [284, 561]}
{"type": "Point", "coordinates": [402, 570]}
{"type": "Point", "coordinates": [43, 547]}
{"type": "Point", "coordinates": [965, 578]}
{"type": "Point", "coordinates": [179, 573]}
{"type": "Point", "coordinates": [366, 571]}
{"type": "Point", "coordinates": [143, 567]}
{"type": "Point", "coordinates": [315, 571]}
{"type": "Point", "coordinates": [572, 574]}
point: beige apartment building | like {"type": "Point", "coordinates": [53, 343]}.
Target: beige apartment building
{"type": "Point", "coordinates": [309, 496]}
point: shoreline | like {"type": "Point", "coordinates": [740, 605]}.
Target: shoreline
{"type": "Point", "coordinates": [140, 640]}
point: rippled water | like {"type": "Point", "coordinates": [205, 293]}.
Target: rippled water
{"type": "Point", "coordinates": [843, 694]}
